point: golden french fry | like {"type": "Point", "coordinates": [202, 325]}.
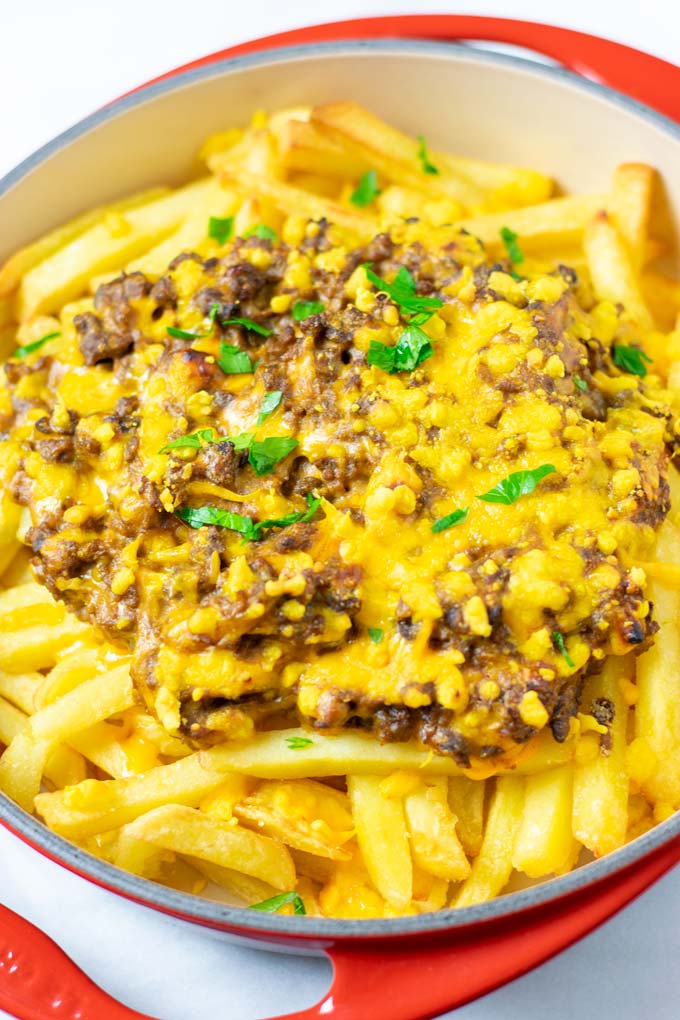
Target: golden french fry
{"type": "Point", "coordinates": [629, 204]}
{"type": "Point", "coordinates": [26, 258]}
{"type": "Point", "coordinates": [600, 815]}
{"type": "Point", "coordinates": [544, 841]}
{"type": "Point", "coordinates": [662, 296]}
{"type": "Point", "coordinates": [558, 223]}
{"type": "Point", "coordinates": [435, 844]}
{"type": "Point", "coordinates": [492, 868]}
{"type": "Point", "coordinates": [466, 800]}
{"type": "Point", "coordinates": [63, 766]}
{"type": "Point", "coordinates": [611, 270]}
{"type": "Point", "coordinates": [303, 147]}
{"type": "Point", "coordinates": [21, 689]}
{"type": "Point", "coordinates": [21, 768]}
{"type": "Point", "coordinates": [187, 831]}
{"type": "Point", "coordinates": [381, 824]}
{"type": "Point", "coordinates": [243, 888]}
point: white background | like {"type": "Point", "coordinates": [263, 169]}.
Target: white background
{"type": "Point", "coordinates": [61, 60]}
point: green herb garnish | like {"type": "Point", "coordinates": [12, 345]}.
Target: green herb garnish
{"type": "Point", "coordinates": [297, 517]}
{"type": "Point", "coordinates": [248, 324]}
{"type": "Point", "coordinates": [22, 352]}
{"type": "Point", "coordinates": [509, 238]}
{"type": "Point", "coordinates": [274, 904]}
{"type": "Point", "coordinates": [451, 520]}
{"type": "Point", "coordinates": [630, 359]}
{"type": "Point", "coordinates": [190, 442]}
{"type": "Point", "coordinates": [367, 190]}
{"type": "Point", "coordinates": [185, 334]}
{"type": "Point", "coordinates": [233, 361]}
{"type": "Point", "coordinates": [375, 634]}
{"type": "Point", "coordinates": [198, 517]}
{"type": "Point", "coordinates": [558, 641]}
{"type": "Point", "coordinates": [220, 228]}
{"type": "Point", "coordinates": [298, 743]}
{"type": "Point", "coordinates": [305, 309]}
{"type": "Point", "coordinates": [519, 483]}
{"type": "Point", "coordinates": [428, 168]}
{"type": "Point", "coordinates": [265, 454]}
{"type": "Point", "coordinates": [269, 404]}
{"type": "Point", "coordinates": [262, 231]}
{"type": "Point", "coordinates": [581, 383]}
{"type": "Point", "coordinates": [402, 290]}
{"type": "Point", "coordinates": [412, 349]}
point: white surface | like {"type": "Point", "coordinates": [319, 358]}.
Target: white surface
{"type": "Point", "coordinates": [60, 61]}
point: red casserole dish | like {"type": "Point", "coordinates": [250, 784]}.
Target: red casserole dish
{"type": "Point", "coordinates": [431, 962]}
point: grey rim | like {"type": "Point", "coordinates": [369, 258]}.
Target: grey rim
{"type": "Point", "coordinates": [202, 911]}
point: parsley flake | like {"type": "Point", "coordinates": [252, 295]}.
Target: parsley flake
{"type": "Point", "coordinates": [412, 348]}
{"type": "Point", "coordinates": [298, 743]}
{"type": "Point", "coordinates": [296, 517]}
{"type": "Point", "coordinates": [451, 520]}
{"type": "Point", "coordinates": [253, 327]}
{"type": "Point", "coordinates": [265, 454]}
{"type": "Point", "coordinates": [558, 641]}
{"type": "Point", "coordinates": [271, 906]}
{"type": "Point", "coordinates": [199, 516]}
{"type": "Point", "coordinates": [630, 359]}
{"type": "Point", "coordinates": [581, 383]}
{"type": "Point", "coordinates": [402, 290]}
{"type": "Point", "coordinates": [305, 309]}
{"type": "Point", "coordinates": [262, 231]}
{"type": "Point", "coordinates": [366, 191]}
{"type": "Point", "coordinates": [220, 228]}
{"type": "Point", "coordinates": [519, 483]}
{"type": "Point", "coordinates": [509, 238]}
{"type": "Point", "coordinates": [233, 361]}
{"type": "Point", "coordinates": [269, 404]}
{"type": "Point", "coordinates": [428, 168]}
{"type": "Point", "coordinates": [190, 442]}
{"type": "Point", "coordinates": [22, 352]}
{"type": "Point", "coordinates": [375, 634]}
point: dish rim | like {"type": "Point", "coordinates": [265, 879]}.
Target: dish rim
{"type": "Point", "coordinates": [193, 908]}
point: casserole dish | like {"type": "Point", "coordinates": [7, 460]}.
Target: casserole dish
{"type": "Point", "coordinates": [465, 953]}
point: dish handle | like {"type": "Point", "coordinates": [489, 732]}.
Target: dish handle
{"type": "Point", "coordinates": [638, 75]}
{"type": "Point", "coordinates": [421, 980]}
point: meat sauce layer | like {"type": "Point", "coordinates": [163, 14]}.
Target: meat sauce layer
{"type": "Point", "coordinates": [230, 471]}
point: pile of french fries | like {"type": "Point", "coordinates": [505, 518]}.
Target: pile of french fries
{"type": "Point", "coordinates": [352, 827]}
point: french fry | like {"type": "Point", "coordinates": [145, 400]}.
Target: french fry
{"type": "Point", "coordinates": [106, 247]}
{"type": "Point", "coordinates": [558, 223]}
{"type": "Point", "coordinates": [466, 800]}
{"type": "Point", "coordinates": [630, 204]}
{"type": "Point", "coordinates": [544, 841]}
{"type": "Point", "coordinates": [303, 147]}
{"type": "Point", "coordinates": [394, 155]}
{"type": "Point", "coordinates": [601, 786]}
{"type": "Point", "coordinates": [492, 868]}
{"type": "Point", "coordinates": [657, 711]}
{"type": "Point", "coordinates": [435, 845]}
{"type": "Point", "coordinates": [611, 270]}
{"type": "Point", "coordinates": [662, 296]}
{"type": "Point", "coordinates": [381, 824]}
{"type": "Point", "coordinates": [243, 888]}
{"type": "Point", "coordinates": [63, 766]}
{"type": "Point", "coordinates": [187, 831]}
{"type": "Point", "coordinates": [26, 258]}
{"type": "Point", "coordinates": [21, 689]}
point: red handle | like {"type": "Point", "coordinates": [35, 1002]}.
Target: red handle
{"type": "Point", "coordinates": [422, 981]}
{"type": "Point", "coordinates": [638, 75]}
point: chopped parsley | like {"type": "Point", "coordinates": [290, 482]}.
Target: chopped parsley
{"type": "Point", "coordinates": [411, 349]}
{"type": "Point", "coordinates": [262, 231]}
{"type": "Point", "coordinates": [402, 291]}
{"type": "Point", "coordinates": [298, 743]}
{"type": "Point", "coordinates": [558, 641]}
{"type": "Point", "coordinates": [197, 517]}
{"type": "Point", "coordinates": [253, 327]}
{"type": "Point", "coordinates": [519, 483]}
{"type": "Point", "coordinates": [190, 442]}
{"type": "Point", "coordinates": [233, 361]}
{"type": "Point", "coordinates": [185, 334]}
{"type": "Point", "coordinates": [427, 166]}
{"type": "Point", "coordinates": [367, 190]}
{"type": "Point", "coordinates": [451, 520]}
{"type": "Point", "coordinates": [375, 634]}
{"type": "Point", "coordinates": [265, 454]}
{"type": "Point", "coordinates": [271, 906]}
{"type": "Point", "coordinates": [22, 352]}
{"type": "Point", "coordinates": [509, 238]}
{"type": "Point", "coordinates": [220, 228]}
{"type": "Point", "coordinates": [305, 309]}
{"type": "Point", "coordinates": [630, 359]}
{"type": "Point", "coordinates": [269, 404]}
{"type": "Point", "coordinates": [581, 383]}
